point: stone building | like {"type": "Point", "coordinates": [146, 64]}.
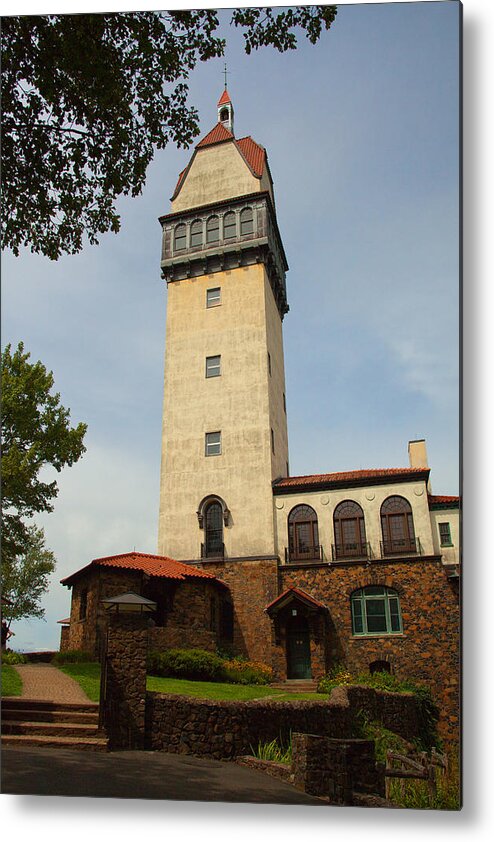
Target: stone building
{"type": "Point", "coordinates": [359, 567]}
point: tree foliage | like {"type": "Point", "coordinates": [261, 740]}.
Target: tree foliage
{"type": "Point", "coordinates": [25, 577]}
{"type": "Point", "coordinates": [36, 433]}
{"type": "Point", "coordinates": [87, 99]}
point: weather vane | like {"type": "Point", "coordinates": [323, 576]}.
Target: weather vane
{"type": "Point", "coordinates": [225, 72]}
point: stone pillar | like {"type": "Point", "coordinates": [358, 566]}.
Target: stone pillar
{"type": "Point", "coordinates": [335, 768]}
{"type": "Point", "coordinates": [123, 680]}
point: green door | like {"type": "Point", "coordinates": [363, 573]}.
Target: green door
{"type": "Point", "coordinates": [298, 648]}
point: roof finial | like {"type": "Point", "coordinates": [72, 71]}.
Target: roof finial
{"type": "Point", "coordinates": [225, 72]}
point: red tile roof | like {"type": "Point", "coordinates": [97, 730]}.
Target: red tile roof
{"type": "Point", "coordinates": [218, 134]}
{"type": "Point", "coordinates": [296, 592]}
{"type": "Point", "coordinates": [224, 98]}
{"type": "Point", "coordinates": [349, 476]}
{"type": "Point", "coordinates": [65, 622]}
{"type": "Point", "coordinates": [438, 500]}
{"type": "Point", "coordinates": [254, 154]}
{"type": "Point", "coordinates": [154, 565]}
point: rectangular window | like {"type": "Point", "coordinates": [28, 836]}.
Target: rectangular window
{"type": "Point", "coordinates": [213, 444]}
{"type": "Point", "coordinates": [287, 469]}
{"type": "Point", "coordinates": [213, 366]}
{"type": "Point", "coordinates": [272, 440]}
{"type": "Point", "coordinates": [445, 535]}
{"type": "Point", "coordinates": [213, 297]}
{"type": "Point", "coordinates": [284, 402]}
{"type": "Point", "coordinates": [269, 363]}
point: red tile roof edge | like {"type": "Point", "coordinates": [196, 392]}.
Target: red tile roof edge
{"type": "Point", "coordinates": [224, 98]}
{"type": "Point", "coordinates": [342, 476]}
{"type": "Point", "coordinates": [443, 499]}
{"type": "Point", "coordinates": [182, 571]}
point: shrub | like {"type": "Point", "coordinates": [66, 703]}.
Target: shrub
{"type": "Point", "coordinates": [194, 664]}
{"type": "Point", "coordinates": [238, 671]}
{"type": "Point", "coordinates": [72, 656]}
{"type": "Point", "coordinates": [10, 657]}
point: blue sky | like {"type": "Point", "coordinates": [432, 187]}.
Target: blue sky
{"type": "Point", "coordinates": [362, 138]}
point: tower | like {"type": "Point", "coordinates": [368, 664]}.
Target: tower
{"type": "Point", "coordinates": [224, 414]}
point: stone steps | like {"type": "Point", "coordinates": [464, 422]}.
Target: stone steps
{"type": "Point", "coordinates": [296, 686]}
{"type": "Point", "coordinates": [36, 722]}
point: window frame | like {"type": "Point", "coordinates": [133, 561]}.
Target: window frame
{"type": "Point", "coordinates": [210, 368]}
{"type": "Point", "coordinates": [226, 226]}
{"type": "Point", "coordinates": [210, 229]}
{"type": "Point", "coordinates": [177, 228]}
{"type": "Point", "coordinates": [361, 598]}
{"type": "Point", "coordinates": [196, 228]}
{"type": "Point", "coordinates": [208, 445]}
{"type": "Point", "coordinates": [210, 302]}
{"type": "Point", "coordinates": [448, 542]}
{"type": "Point", "coordinates": [246, 219]}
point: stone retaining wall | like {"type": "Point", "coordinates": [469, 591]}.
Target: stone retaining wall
{"type": "Point", "coordinates": [227, 729]}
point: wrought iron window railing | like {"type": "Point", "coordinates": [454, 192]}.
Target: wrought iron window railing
{"type": "Point", "coordinates": [401, 546]}
{"type": "Point", "coordinates": [216, 550]}
{"type": "Point", "coordinates": [306, 553]}
{"type": "Point", "coordinates": [350, 549]}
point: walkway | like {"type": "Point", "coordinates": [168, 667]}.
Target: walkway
{"type": "Point", "coordinates": [141, 774]}
{"type": "Point", "coordinates": [44, 681]}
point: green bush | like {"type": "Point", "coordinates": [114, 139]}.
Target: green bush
{"type": "Point", "coordinates": [11, 658]}
{"type": "Point", "coordinates": [72, 656]}
{"type": "Point", "coordinates": [194, 664]}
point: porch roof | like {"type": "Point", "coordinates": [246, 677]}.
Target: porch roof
{"type": "Point", "coordinates": [153, 565]}
{"type": "Point", "coordinates": [294, 595]}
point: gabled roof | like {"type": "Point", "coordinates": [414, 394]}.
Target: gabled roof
{"type": "Point", "coordinates": [154, 565]}
{"type": "Point", "coordinates": [353, 478]}
{"type": "Point", "coordinates": [294, 594]}
{"type": "Point", "coordinates": [224, 98]}
{"type": "Point", "coordinates": [253, 153]}
{"type": "Point", "coordinates": [443, 501]}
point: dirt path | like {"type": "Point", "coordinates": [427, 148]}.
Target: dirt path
{"type": "Point", "coordinates": [44, 681]}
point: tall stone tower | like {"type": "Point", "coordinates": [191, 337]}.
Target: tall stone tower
{"type": "Point", "coordinates": [224, 418]}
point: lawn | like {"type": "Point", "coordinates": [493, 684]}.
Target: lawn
{"type": "Point", "coordinates": [88, 676]}
{"type": "Point", "coordinates": [11, 681]}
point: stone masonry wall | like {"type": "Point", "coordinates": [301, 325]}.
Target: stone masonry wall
{"type": "Point", "coordinates": [224, 729]}
{"type": "Point", "coordinates": [428, 649]}
{"type": "Point", "coordinates": [253, 585]}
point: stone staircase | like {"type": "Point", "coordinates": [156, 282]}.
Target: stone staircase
{"type": "Point", "coordinates": [296, 685]}
{"type": "Point", "coordinates": [27, 722]}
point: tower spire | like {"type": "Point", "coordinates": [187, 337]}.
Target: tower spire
{"type": "Point", "coordinates": [225, 108]}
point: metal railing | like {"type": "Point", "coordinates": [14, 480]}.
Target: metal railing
{"type": "Point", "coordinates": [401, 546]}
{"type": "Point", "coordinates": [307, 553]}
{"type": "Point", "coordinates": [350, 549]}
{"type": "Point", "coordinates": [216, 551]}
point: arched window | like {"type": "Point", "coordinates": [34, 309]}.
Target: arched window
{"type": "Point", "coordinates": [213, 530]}
{"type": "Point", "coordinates": [376, 610]}
{"type": "Point", "coordinates": [213, 229]}
{"type": "Point", "coordinates": [303, 534]}
{"type": "Point", "coordinates": [229, 226]}
{"type": "Point", "coordinates": [224, 114]}
{"type": "Point", "coordinates": [349, 531]}
{"type": "Point", "coordinates": [196, 233]}
{"type": "Point", "coordinates": [180, 239]}
{"type": "Point", "coordinates": [246, 222]}
{"type": "Point", "coordinates": [397, 527]}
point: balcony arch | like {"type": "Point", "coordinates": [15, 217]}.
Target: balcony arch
{"type": "Point", "coordinates": [303, 535]}
{"type": "Point", "coordinates": [398, 533]}
{"type": "Point", "coordinates": [349, 531]}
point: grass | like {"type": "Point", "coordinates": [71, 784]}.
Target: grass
{"type": "Point", "coordinates": [11, 681]}
{"type": "Point", "coordinates": [87, 676]}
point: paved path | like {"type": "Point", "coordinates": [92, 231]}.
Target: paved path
{"type": "Point", "coordinates": [43, 681]}
{"type": "Point", "coordinates": [140, 774]}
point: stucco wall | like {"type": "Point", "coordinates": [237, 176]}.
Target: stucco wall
{"type": "Point", "coordinates": [237, 403]}
{"type": "Point", "coordinates": [450, 555]}
{"type": "Point", "coordinates": [216, 173]}
{"type": "Point", "coordinates": [369, 498]}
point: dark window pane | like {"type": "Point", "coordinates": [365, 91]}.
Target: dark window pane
{"type": "Point", "coordinates": [246, 222]}
{"type": "Point", "coordinates": [213, 229]}
{"type": "Point", "coordinates": [229, 226]}
{"type": "Point", "coordinates": [374, 590]}
{"type": "Point", "coordinates": [196, 234]}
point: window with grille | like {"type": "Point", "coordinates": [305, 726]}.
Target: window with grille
{"type": "Point", "coordinates": [213, 229]}
{"type": "Point", "coordinates": [213, 445]}
{"type": "Point", "coordinates": [196, 234]}
{"type": "Point", "coordinates": [213, 527]}
{"type": "Point", "coordinates": [180, 239]}
{"type": "Point", "coordinates": [246, 222]}
{"type": "Point", "coordinates": [213, 366]}
{"type": "Point", "coordinates": [445, 535]}
{"type": "Point", "coordinates": [213, 297]}
{"type": "Point", "coordinates": [376, 610]}
{"type": "Point", "coordinates": [349, 530]}
{"type": "Point", "coordinates": [303, 533]}
{"type": "Point", "coordinates": [397, 526]}
{"type": "Point", "coordinates": [229, 226]}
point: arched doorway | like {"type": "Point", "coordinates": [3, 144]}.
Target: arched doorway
{"type": "Point", "coordinates": [298, 648]}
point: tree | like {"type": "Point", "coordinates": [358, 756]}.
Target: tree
{"type": "Point", "coordinates": [87, 99]}
{"type": "Point", "coordinates": [25, 577]}
{"type": "Point", "coordinates": [36, 433]}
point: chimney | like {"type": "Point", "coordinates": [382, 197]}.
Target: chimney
{"type": "Point", "coordinates": [417, 454]}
